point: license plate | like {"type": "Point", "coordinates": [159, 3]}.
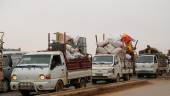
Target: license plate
{"type": "Point", "coordinates": [26, 86]}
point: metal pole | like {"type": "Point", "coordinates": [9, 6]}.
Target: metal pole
{"type": "Point", "coordinates": [49, 42]}
{"type": "Point", "coordinates": [103, 36]}
{"type": "Point", "coordinates": [96, 40]}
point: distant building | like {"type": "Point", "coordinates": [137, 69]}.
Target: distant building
{"type": "Point", "coordinates": [11, 49]}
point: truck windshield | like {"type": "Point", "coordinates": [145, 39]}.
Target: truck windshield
{"type": "Point", "coordinates": [35, 59]}
{"type": "Point", "coordinates": [103, 60]}
{"type": "Point", "coordinates": [145, 59]}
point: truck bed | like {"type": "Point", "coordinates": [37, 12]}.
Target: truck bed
{"type": "Point", "coordinates": [79, 63]}
{"type": "Point", "coordinates": [79, 73]}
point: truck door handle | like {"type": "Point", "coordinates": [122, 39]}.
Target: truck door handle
{"type": "Point", "coordinates": [62, 69]}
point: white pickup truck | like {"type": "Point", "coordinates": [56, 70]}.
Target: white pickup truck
{"type": "Point", "coordinates": [111, 67]}
{"type": "Point", "coordinates": [41, 71]}
{"type": "Point", "coordinates": [150, 65]}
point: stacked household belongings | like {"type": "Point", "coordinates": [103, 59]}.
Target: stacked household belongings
{"type": "Point", "coordinates": [112, 46]}
{"type": "Point", "coordinates": [75, 47]}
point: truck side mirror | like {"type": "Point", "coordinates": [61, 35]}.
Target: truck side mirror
{"type": "Point", "coordinates": [155, 60]}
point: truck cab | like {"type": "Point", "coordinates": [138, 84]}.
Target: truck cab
{"type": "Point", "coordinates": [110, 68]}
{"type": "Point", "coordinates": [39, 71]}
{"type": "Point", "coordinates": [146, 65]}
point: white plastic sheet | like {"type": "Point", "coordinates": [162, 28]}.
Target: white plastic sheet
{"type": "Point", "coordinates": [116, 50]}
{"type": "Point", "coordinates": [102, 44]}
{"type": "Point", "coordinates": [109, 48]}
{"type": "Point", "coordinates": [101, 50]}
{"type": "Point", "coordinates": [69, 55]}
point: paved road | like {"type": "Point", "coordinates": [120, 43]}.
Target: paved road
{"type": "Point", "coordinates": [14, 93]}
{"type": "Point", "coordinates": [158, 87]}
{"type": "Point", "coordinates": [156, 84]}
{"type": "Point", "coordinates": [10, 94]}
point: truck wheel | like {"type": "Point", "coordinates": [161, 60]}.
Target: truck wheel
{"type": "Point", "coordinates": [110, 80]}
{"type": "Point", "coordinates": [5, 86]}
{"type": "Point", "coordinates": [139, 76]}
{"type": "Point", "coordinates": [155, 75]}
{"type": "Point", "coordinates": [59, 86]}
{"type": "Point", "coordinates": [126, 77]}
{"type": "Point", "coordinates": [94, 81]}
{"type": "Point", "coordinates": [129, 77]}
{"type": "Point", "coordinates": [118, 78]}
{"type": "Point", "coordinates": [25, 93]}
{"type": "Point", "coordinates": [82, 84]}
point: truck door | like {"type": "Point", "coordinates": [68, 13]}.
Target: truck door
{"type": "Point", "coordinates": [117, 65]}
{"type": "Point", "coordinates": [57, 68]}
{"type": "Point", "coordinates": [155, 62]}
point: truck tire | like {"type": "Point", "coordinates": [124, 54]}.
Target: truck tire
{"type": "Point", "coordinates": [59, 86]}
{"type": "Point", "coordinates": [155, 75]}
{"type": "Point", "coordinates": [25, 93]}
{"type": "Point", "coordinates": [94, 81]}
{"type": "Point", "coordinates": [5, 86]}
{"type": "Point", "coordinates": [110, 80]}
{"type": "Point", "coordinates": [126, 77]}
{"type": "Point", "coordinates": [82, 84]}
{"type": "Point", "coordinates": [139, 76]}
{"type": "Point", "coordinates": [117, 78]}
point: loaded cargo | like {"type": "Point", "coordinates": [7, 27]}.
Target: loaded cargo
{"type": "Point", "coordinates": [62, 65]}
{"type": "Point", "coordinates": [151, 62]}
{"type": "Point", "coordinates": [112, 61]}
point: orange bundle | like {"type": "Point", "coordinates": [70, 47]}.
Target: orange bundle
{"type": "Point", "coordinates": [126, 39]}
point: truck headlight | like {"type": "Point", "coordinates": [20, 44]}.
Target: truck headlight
{"type": "Point", "coordinates": [42, 77]}
{"type": "Point", "coordinates": [14, 77]}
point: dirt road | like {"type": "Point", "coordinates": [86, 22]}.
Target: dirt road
{"type": "Point", "coordinates": [157, 87]}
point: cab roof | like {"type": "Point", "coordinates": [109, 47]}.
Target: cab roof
{"type": "Point", "coordinates": [14, 52]}
{"type": "Point", "coordinates": [45, 53]}
{"type": "Point", "coordinates": [147, 55]}
{"type": "Point", "coordinates": [105, 55]}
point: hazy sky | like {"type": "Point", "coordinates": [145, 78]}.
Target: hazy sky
{"type": "Point", "coordinates": [26, 23]}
